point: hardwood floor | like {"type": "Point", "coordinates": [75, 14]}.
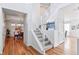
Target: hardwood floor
{"type": "Point", "coordinates": [56, 51]}
{"type": "Point", "coordinates": [69, 47]}
{"type": "Point", "coordinates": [17, 47]}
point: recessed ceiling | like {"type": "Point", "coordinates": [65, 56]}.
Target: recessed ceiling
{"type": "Point", "coordinates": [12, 12]}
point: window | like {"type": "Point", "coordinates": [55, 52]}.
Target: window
{"type": "Point", "coordinates": [12, 24]}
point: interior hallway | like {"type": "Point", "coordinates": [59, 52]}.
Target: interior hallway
{"type": "Point", "coordinates": [17, 47]}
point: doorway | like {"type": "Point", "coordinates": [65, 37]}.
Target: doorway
{"type": "Point", "coordinates": [13, 30]}
{"type": "Point", "coordinates": [67, 29]}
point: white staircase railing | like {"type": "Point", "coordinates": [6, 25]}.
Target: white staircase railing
{"type": "Point", "coordinates": [44, 19]}
{"type": "Point", "coordinates": [42, 41]}
{"type": "Point", "coordinates": [41, 50]}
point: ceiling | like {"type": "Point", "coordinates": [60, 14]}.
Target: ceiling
{"type": "Point", "coordinates": [70, 11]}
{"type": "Point", "coordinates": [12, 12]}
{"type": "Point", "coordinates": [46, 5]}
{"type": "Point", "coordinates": [43, 7]}
{"type": "Point", "coordinates": [14, 19]}
{"type": "Point", "coordinates": [73, 7]}
{"type": "Point", "coordinates": [13, 16]}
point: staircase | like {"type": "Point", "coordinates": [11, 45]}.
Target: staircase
{"type": "Point", "coordinates": [46, 43]}
{"type": "Point", "coordinates": [40, 37]}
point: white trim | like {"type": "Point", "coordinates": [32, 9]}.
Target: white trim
{"type": "Point", "coordinates": [58, 43]}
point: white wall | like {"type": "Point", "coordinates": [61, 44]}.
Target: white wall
{"type": "Point", "coordinates": [59, 31]}
{"type": "Point", "coordinates": [42, 10]}
{"type": "Point", "coordinates": [35, 20]}
{"type": "Point", "coordinates": [75, 22]}
{"type": "Point", "coordinates": [36, 15]}
{"type": "Point", "coordinates": [1, 32]}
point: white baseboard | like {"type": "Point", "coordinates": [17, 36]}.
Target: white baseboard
{"type": "Point", "coordinates": [57, 44]}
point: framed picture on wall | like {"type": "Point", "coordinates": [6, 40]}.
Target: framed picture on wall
{"type": "Point", "coordinates": [51, 25]}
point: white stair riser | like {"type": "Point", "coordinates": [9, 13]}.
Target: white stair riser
{"type": "Point", "coordinates": [43, 41]}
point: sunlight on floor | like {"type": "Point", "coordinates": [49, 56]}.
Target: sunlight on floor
{"type": "Point", "coordinates": [70, 46]}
